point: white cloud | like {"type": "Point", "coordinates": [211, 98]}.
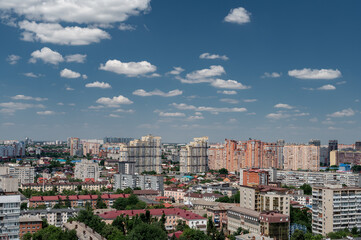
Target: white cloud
{"type": "Point", "coordinates": [230, 84]}
{"type": "Point", "coordinates": [114, 102]}
{"type": "Point", "coordinates": [176, 71]}
{"type": "Point", "coordinates": [79, 58]}
{"type": "Point", "coordinates": [327, 87]}
{"type": "Point", "coordinates": [80, 11]}
{"type": "Point", "coordinates": [97, 84]}
{"type": "Point", "coordinates": [196, 117]}
{"type": "Point", "coordinates": [238, 15]}
{"type": "Point", "coordinates": [143, 93]}
{"type": "Point", "coordinates": [67, 73]}
{"type": "Point", "coordinates": [57, 34]}
{"type": "Point", "coordinates": [229, 100]}
{"type": "Point", "coordinates": [271, 75]}
{"type": "Point", "coordinates": [308, 73]}
{"type": "Point", "coordinates": [11, 107]}
{"type": "Point", "coordinates": [171, 114]}
{"type": "Point", "coordinates": [213, 56]}
{"type": "Point", "coordinates": [283, 105]}
{"type": "Point", "coordinates": [231, 92]}
{"type": "Point", "coordinates": [13, 59]}
{"type": "Point", "coordinates": [130, 69]}
{"type": "Point", "coordinates": [203, 75]}
{"type": "Point", "coordinates": [126, 27]}
{"type": "Point", "coordinates": [69, 89]}
{"type": "Point", "coordinates": [45, 113]}
{"type": "Point", "coordinates": [250, 100]}
{"type": "Point", "coordinates": [125, 111]}
{"type": "Point", "coordinates": [114, 115]}
{"type": "Point", "coordinates": [8, 124]}
{"type": "Point", "coordinates": [341, 82]}
{"type": "Point", "coordinates": [32, 75]}
{"type": "Point", "coordinates": [277, 116]}
{"type": "Point", "coordinates": [183, 106]}
{"type": "Point", "coordinates": [343, 113]}
{"type": "Point", "coordinates": [23, 97]}
{"type": "Point", "coordinates": [47, 56]}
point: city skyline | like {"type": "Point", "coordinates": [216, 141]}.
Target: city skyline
{"type": "Point", "coordinates": [179, 70]}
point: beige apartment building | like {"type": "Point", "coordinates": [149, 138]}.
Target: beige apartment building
{"type": "Point", "coordinates": [335, 208]}
{"type": "Point", "coordinates": [265, 198]}
{"type": "Point", "coordinates": [301, 157]}
{"type": "Point", "coordinates": [194, 157]}
{"type": "Point", "coordinates": [87, 169]}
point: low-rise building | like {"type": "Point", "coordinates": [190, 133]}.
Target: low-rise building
{"type": "Point", "coordinates": [172, 216]}
{"type": "Point", "coordinates": [55, 217]}
{"type": "Point", "coordinates": [144, 182]}
{"type": "Point", "coordinates": [29, 225]}
{"type": "Point", "coordinates": [60, 187]}
{"type": "Point", "coordinates": [176, 194]}
{"type": "Point", "coordinates": [75, 200]}
{"type": "Point", "coordinates": [83, 232]}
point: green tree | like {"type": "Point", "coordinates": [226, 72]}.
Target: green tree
{"type": "Point", "coordinates": [23, 206]}
{"type": "Point", "coordinates": [67, 202]}
{"type": "Point", "coordinates": [193, 234]}
{"type": "Point", "coordinates": [223, 171]}
{"type": "Point", "coordinates": [145, 231]}
{"type": "Point", "coordinates": [100, 204]}
{"type": "Point", "coordinates": [307, 189]}
{"type": "Point", "coordinates": [298, 235]}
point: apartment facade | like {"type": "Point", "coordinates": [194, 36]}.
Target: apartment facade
{"type": "Point", "coordinates": [216, 157]}
{"type": "Point", "coordinates": [9, 216]}
{"type": "Point", "coordinates": [146, 154]}
{"type": "Point", "coordinates": [91, 148]}
{"type": "Point", "coordinates": [301, 157]}
{"type": "Point", "coordinates": [144, 182]}
{"type": "Point", "coordinates": [194, 156]}
{"type": "Point", "coordinates": [335, 208]}
{"type": "Point", "coordinates": [29, 225]}
{"type": "Point", "coordinates": [60, 187]}
{"type": "Point", "coordinates": [87, 169]}
{"type": "Point", "coordinates": [24, 174]}
{"type": "Point", "coordinates": [55, 217]}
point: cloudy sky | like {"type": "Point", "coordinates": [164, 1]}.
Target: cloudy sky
{"type": "Point", "coordinates": [181, 69]}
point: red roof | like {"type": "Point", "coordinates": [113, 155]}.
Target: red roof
{"type": "Point", "coordinates": [155, 212]}
{"type": "Point", "coordinates": [177, 234]}
{"type": "Point", "coordinates": [77, 197]}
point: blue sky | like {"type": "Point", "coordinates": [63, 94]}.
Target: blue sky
{"type": "Point", "coordinates": [181, 69]}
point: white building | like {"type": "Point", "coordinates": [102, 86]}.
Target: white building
{"type": "Point", "coordinates": [9, 216]}
{"type": "Point", "coordinates": [86, 169]}
{"type": "Point", "coordinates": [194, 156]}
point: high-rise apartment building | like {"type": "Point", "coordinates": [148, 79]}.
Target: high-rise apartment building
{"type": "Point", "coordinates": [301, 157]}
{"type": "Point", "coordinates": [335, 208]}
{"type": "Point", "coordinates": [75, 147]}
{"type": "Point", "coordinates": [146, 153]}
{"type": "Point", "coordinates": [9, 216]}
{"type": "Point", "coordinates": [24, 174]}
{"type": "Point", "coordinates": [216, 157]}
{"type": "Point", "coordinates": [314, 142]}
{"type": "Point", "coordinates": [332, 145]}
{"type": "Point", "coordinates": [91, 148]}
{"type": "Point", "coordinates": [193, 156]}
{"type": "Point", "coordinates": [87, 169]}
{"type": "Point", "coordinates": [254, 177]}
{"type": "Point", "coordinates": [117, 140]}
{"type": "Point", "coordinates": [144, 182]}
{"type": "Point", "coordinates": [280, 145]}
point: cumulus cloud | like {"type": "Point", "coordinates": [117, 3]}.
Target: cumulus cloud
{"type": "Point", "coordinates": [130, 69]}
{"type": "Point", "coordinates": [45, 113]}
{"type": "Point", "coordinates": [67, 73]}
{"type": "Point", "coordinates": [215, 110]}
{"type": "Point", "coordinates": [171, 114]}
{"type": "Point", "coordinates": [23, 97]}
{"type": "Point", "coordinates": [230, 84]}
{"type": "Point", "coordinates": [47, 56]}
{"type": "Point", "coordinates": [97, 84]}
{"type": "Point", "coordinates": [13, 59]}
{"type": "Point", "coordinates": [11, 107]}
{"type": "Point", "coordinates": [203, 75]}
{"type": "Point", "coordinates": [228, 92]}
{"type": "Point", "coordinates": [327, 87]}
{"type": "Point", "coordinates": [213, 56]}
{"type": "Point", "coordinates": [32, 75]}
{"type": "Point", "coordinates": [156, 92]}
{"type": "Point", "coordinates": [69, 89]}
{"type": "Point", "coordinates": [277, 116]}
{"type": "Point", "coordinates": [229, 100]}
{"type": "Point", "coordinates": [79, 58]}
{"type": "Point", "coordinates": [249, 100]}
{"type": "Point", "coordinates": [114, 115]}
{"type": "Point", "coordinates": [308, 73]}
{"type": "Point", "coordinates": [238, 15]}
{"type": "Point", "coordinates": [271, 75]}
{"type": "Point", "coordinates": [114, 102]}
{"type": "Point", "coordinates": [126, 27]}
{"type": "Point", "coordinates": [343, 113]}
{"type": "Point", "coordinates": [57, 34]}
{"type": "Point", "coordinates": [195, 117]}
{"type": "Point", "coordinates": [176, 71]}
{"type": "Point", "coordinates": [283, 105]}
{"type": "Point", "coordinates": [80, 11]}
